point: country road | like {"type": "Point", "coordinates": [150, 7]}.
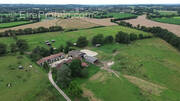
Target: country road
{"type": "Point", "coordinates": [54, 84]}
{"type": "Point", "coordinates": [141, 20]}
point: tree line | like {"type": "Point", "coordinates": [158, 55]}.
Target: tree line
{"type": "Point", "coordinates": [19, 46]}
{"type": "Point", "coordinates": [27, 31]}
{"type": "Point", "coordinates": [125, 18]}
{"type": "Point", "coordinates": [164, 34]}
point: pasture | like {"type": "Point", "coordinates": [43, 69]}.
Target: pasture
{"type": "Point", "coordinates": [62, 37]}
{"type": "Point", "coordinates": [171, 20]}
{"type": "Point", "coordinates": [27, 84]}
{"type": "Point", "coordinates": [163, 12]}
{"type": "Point", "coordinates": [148, 69]}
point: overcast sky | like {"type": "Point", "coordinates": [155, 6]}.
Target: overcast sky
{"type": "Point", "coordinates": [90, 1]}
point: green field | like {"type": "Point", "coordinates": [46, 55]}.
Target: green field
{"type": "Point", "coordinates": [28, 84]}
{"type": "Point", "coordinates": [117, 15]}
{"type": "Point", "coordinates": [167, 12]}
{"type": "Point", "coordinates": [61, 37]}
{"type": "Point", "coordinates": [13, 24]}
{"type": "Point", "coordinates": [172, 20]}
{"type": "Point", "coordinates": [153, 60]}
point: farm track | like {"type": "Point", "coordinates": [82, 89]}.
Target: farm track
{"type": "Point", "coordinates": [54, 84]}
{"type": "Point", "coordinates": [143, 21]}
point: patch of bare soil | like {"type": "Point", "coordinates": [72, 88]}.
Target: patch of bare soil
{"type": "Point", "coordinates": [145, 85]}
{"type": "Point", "coordinates": [89, 94]}
{"type": "Point", "coordinates": [102, 22]}
{"type": "Point", "coordinates": [107, 66]}
{"type": "Point", "coordinates": [45, 23]}
{"type": "Point", "coordinates": [141, 20]}
{"type": "Point", "coordinates": [75, 23]}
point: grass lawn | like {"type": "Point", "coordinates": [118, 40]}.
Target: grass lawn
{"type": "Point", "coordinates": [61, 37]}
{"type": "Point", "coordinates": [28, 84]}
{"type": "Point", "coordinates": [13, 24]}
{"type": "Point", "coordinates": [172, 20]}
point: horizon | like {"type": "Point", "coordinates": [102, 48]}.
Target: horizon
{"type": "Point", "coordinates": [92, 2]}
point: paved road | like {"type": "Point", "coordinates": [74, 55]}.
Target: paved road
{"type": "Point", "coordinates": [54, 84]}
{"type": "Point", "coordinates": [149, 23]}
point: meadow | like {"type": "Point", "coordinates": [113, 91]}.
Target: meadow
{"type": "Point", "coordinates": [171, 20]}
{"type": "Point", "coordinates": [28, 84]}
{"type": "Point", "coordinates": [152, 62]}
{"type": "Point", "coordinates": [163, 12]}
{"type": "Point", "coordinates": [14, 24]}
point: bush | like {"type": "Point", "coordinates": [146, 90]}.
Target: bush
{"type": "Point", "coordinates": [3, 49]}
{"type": "Point", "coordinates": [98, 39]}
{"type": "Point", "coordinates": [82, 42]}
{"type": "Point", "coordinates": [108, 39]}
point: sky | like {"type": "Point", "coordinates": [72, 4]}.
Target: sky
{"type": "Point", "coordinates": [89, 1]}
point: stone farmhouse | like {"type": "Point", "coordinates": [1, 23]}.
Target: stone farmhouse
{"type": "Point", "coordinates": [51, 59]}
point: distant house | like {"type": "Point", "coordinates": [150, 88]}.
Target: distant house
{"type": "Point", "coordinates": [90, 59]}
{"type": "Point", "coordinates": [50, 59]}
{"type": "Point", "coordinates": [76, 54]}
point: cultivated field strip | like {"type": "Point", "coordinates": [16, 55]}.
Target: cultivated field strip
{"type": "Point", "coordinates": [141, 20]}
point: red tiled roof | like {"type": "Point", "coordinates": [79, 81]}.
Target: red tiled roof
{"type": "Point", "coordinates": [49, 57]}
{"type": "Point", "coordinates": [84, 64]}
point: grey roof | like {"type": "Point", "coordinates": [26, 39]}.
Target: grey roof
{"type": "Point", "coordinates": [76, 53]}
{"type": "Point", "coordinates": [90, 59]}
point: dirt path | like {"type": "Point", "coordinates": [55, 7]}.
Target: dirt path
{"type": "Point", "coordinates": [54, 84]}
{"type": "Point", "coordinates": [107, 67]}
{"type": "Point", "coordinates": [149, 23]}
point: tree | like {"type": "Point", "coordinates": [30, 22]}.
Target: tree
{"type": "Point", "coordinates": [122, 37]}
{"type": "Point", "coordinates": [66, 50]}
{"type": "Point", "coordinates": [46, 66]}
{"type": "Point", "coordinates": [64, 76]}
{"type": "Point", "coordinates": [61, 48]}
{"type": "Point", "coordinates": [69, 43]}
{"type": "Point", "coordinates": [39, 52]}
{"type": "Point", "coordinates": [82, 42]}
{"type": "Point", "coordinates": [75, 67]}
{"type": "Point", "coordinates": [108, 39]}
{"type": "Point", "coordinates": [133, 37]}
{"type": "Point", "coordinates": [13, 48]}
{"type": "Point", "coordinates": [98, 39]}
{"type": "Point", "coordinates": [3, 49]}
{"type": "Point", "coordinates": [22, 45]}
{"type": "Point", "coordinates": [74, 89]}
{"type": "Point", "coordinates": [141, 36]}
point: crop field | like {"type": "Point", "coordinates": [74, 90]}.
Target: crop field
{"type": "Point", "coordinates": [27, 84]}
{"type": "Point", "coordinates": [62, 37]}
{"type": "Point", "coordinates": [148, 70]}
{"type": "Point", "coordinates": [13, 24]}
{"type": "Point", "coordinates": [75, 23]}
{"type": "Point", "coordinates": [172, 20]}
{"type": "Point", "coordinates": [141, 20]}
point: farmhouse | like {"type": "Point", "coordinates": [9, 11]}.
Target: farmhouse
{"type": "Point", "coordinates": [50, 59]}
